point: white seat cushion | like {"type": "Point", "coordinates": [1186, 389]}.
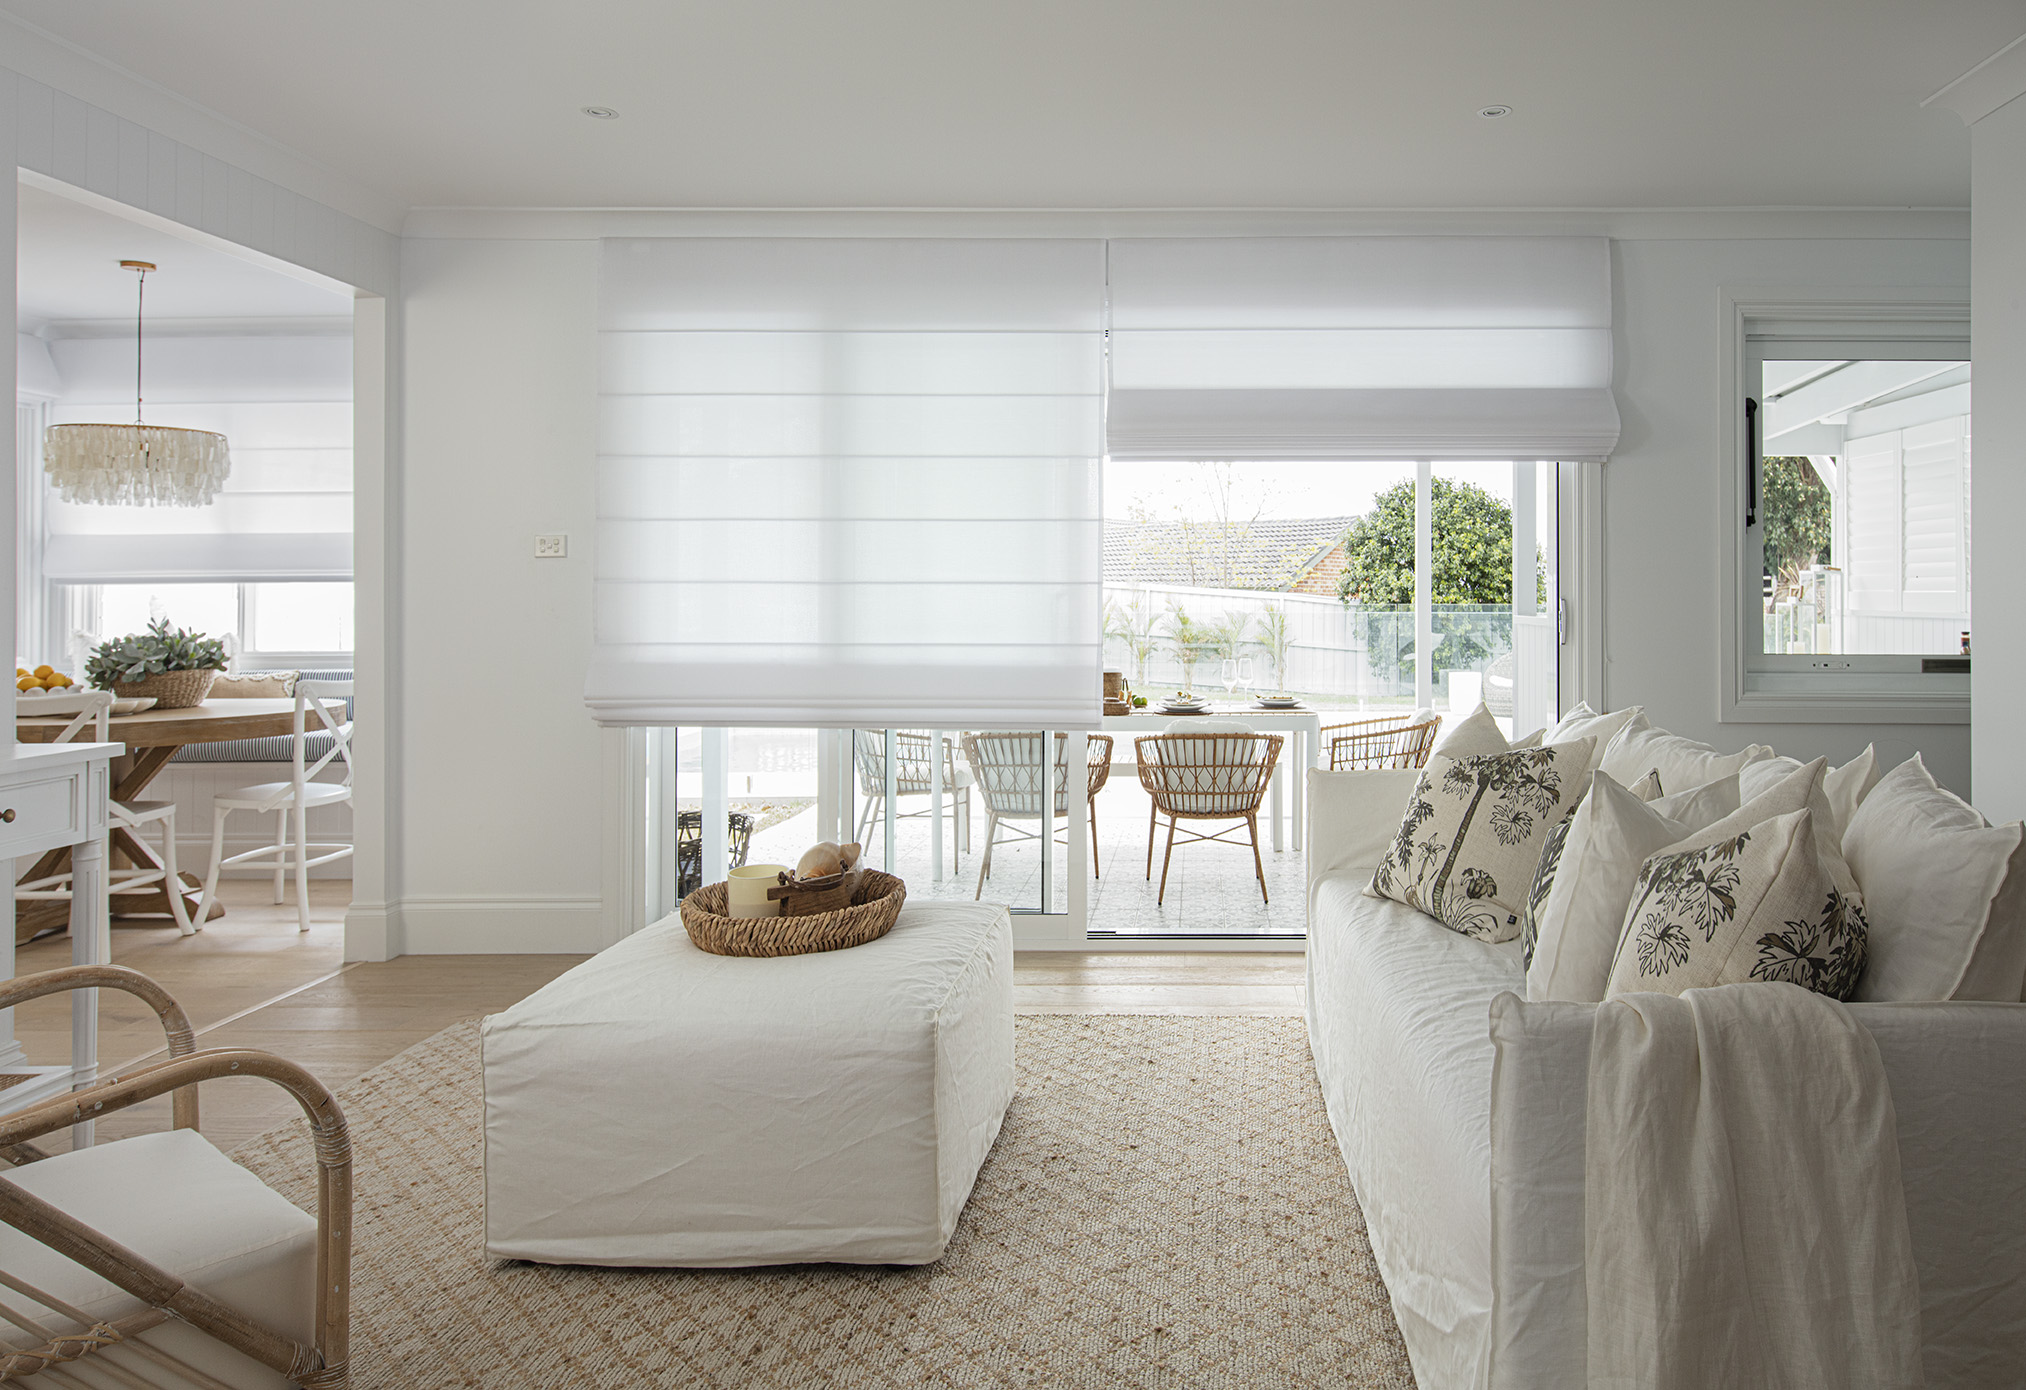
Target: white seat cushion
{"type": "Point", "coordinates": [176, 1201]}
{"type": "Point", "coordinates": [833, 1106]}
{"type": "Point", "coordinates": [268, 795]}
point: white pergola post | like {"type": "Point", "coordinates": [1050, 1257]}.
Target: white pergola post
{"type": "Point", "coordinates": [1424, 579]}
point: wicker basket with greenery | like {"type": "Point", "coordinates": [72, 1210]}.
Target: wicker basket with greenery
{"type": "Point", "coordinates": [173, 667]}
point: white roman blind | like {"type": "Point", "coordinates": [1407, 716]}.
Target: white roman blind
{"type": "Point", "coordinates": [1361, 347]}
{"type": "Point", "coordinates": [283, 402]}
{"type": "Point", "coordinates": [849, 482]}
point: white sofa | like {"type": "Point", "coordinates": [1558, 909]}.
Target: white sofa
{"type": "Point", "coordinates": [1459, 1110]}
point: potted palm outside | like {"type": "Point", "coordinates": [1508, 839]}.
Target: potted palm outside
{"type": "Point", "coordinates": [171, 666]}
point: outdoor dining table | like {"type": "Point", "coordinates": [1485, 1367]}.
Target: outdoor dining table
{"type": "Point", "coordinates": [152, 738]}
{"type": "Point", "coordinates": [1305, 725]}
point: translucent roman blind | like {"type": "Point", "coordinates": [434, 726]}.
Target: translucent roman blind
{"type": "Point", "coordinates": [1361, 347]}
{"type": "Point", "coordinates": [849, 482]}
{"type": "Point", "coordinates": [285, 512]}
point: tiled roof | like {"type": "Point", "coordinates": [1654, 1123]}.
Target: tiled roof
{"type": "Point", "coordinates": [1268, 555]}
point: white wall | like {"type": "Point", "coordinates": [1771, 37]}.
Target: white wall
{"type": "Point", "coordinates": [501, 794]}
{"type": "Point", "coordinates": [1998, 500]}
{"type": "Point", "coordinates": [1661, 485]}
{"type": "Point", "coordinates": [500, 786]}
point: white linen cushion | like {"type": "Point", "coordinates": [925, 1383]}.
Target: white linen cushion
{"type": "Point", "coordinates": [1209, 777]}
{"type": "Point", "coordinates": [1473, 831]}
{"type": "Point", "coordinates": [1944, 890]}
{"type": "Point", "coordinates": [1681, 762]}
{"type": "Point", "coordinates": [1724, 909]}
{"type": "Point", "coordinates": [1476, 733]}
{"type": "Point", "coordinates": [1648, 788]}
{"type": "Point", "coordinates": [1584, 722]}
{"type": "Point", "coordinates": [176, 1201]}
{"type": "Point", "coordinates": [656, 1105]}
{"type": "Point", "coordinates": [1585, 878]}
{"type": "Point", "coordinates": [1843, 788]}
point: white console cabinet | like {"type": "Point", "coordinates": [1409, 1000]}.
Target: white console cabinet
{"type": "Point", "coordinates": [53, 795]}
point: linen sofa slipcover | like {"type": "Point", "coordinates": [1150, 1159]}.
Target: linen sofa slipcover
{"type": "Point", "coordinates": [657, 1105]}
{"type": "Point", "coordinates": [1459, 1110]}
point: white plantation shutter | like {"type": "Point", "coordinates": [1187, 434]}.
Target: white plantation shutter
{"type": "Point", "coordinates": [849, 482]}
{"type": "Point", "coordinates": [1874, 566]}
{"type": "Point", "coordinates": [1907, 493]}
{"type": "Point", "coordinates": [1361, 347]}
{"type": "Point", "coordinates": [1935, 458]}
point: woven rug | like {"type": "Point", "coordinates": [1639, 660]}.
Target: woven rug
{"type": "Point", "coordinates": [1165, 1207]}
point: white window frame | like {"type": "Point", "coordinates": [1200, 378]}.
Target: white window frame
{"type": "Point", "coordinates": [81, 606]}
{"type": "Point", "coordinates": [1752, 691]}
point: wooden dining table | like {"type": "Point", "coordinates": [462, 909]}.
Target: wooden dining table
{"type": "Point", "coordinates": [152, 738]}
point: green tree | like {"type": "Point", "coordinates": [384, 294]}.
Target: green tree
{"type": "Point", "coordinates": [1470, 533]}
{"type": "Point", "coordinates": [1794, 508]}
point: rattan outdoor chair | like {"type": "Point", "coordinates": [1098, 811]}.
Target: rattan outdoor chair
{"type": "Point", "coordinates": [1008, 769]}
{"type": "Point", "coordinates": [1393, 740]}
{"type": "Point", "coordinates": [1206, 776]}
{"type": "Point", "coordinates": [83, 1230]}
{"type": "Point", "coordinates": [914, 775]}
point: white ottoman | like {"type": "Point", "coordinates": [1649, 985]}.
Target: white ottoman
{"type": "Point", "coordinates": [658, 1105]}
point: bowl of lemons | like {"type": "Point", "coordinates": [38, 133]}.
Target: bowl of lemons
{"type": "Point", "coordinates": [41, 679]}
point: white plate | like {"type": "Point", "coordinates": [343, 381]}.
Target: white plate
{"type": "Point", "coordinates": [60, 703]}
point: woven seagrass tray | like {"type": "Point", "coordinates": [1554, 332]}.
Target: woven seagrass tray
{"type": "Point", "coordinates": [871, 916]}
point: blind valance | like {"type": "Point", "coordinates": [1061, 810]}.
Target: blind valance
{"type": "Point", "coordinates": [1361, 347]}
{"type": "Point", "coordinates": [849, 482]}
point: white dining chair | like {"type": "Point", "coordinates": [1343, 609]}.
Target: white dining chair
{"type": "Point", "coordinates": [130, 816]}
{"type": "Point", "coordinates": [296, 797]}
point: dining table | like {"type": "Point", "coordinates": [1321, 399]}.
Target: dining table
{"type": "Point", "coordinates": [152, 737]}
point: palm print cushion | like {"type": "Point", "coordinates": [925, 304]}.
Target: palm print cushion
{"type": "Point", "coordinates": [1474, 830]}
{"type": "Point", "coordinates": [1757, 904]}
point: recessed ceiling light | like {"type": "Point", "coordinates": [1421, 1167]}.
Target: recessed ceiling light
{"type": "Point", "coordinates": [1492, 113]}
{"type": "Point", "coordinates": [601, 113]}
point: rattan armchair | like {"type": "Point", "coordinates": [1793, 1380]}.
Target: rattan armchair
{"type": "Point", "coordinates": [1393, 740]}
{"type": "Point", "coordinates": [144, 1331]}
{"type": "Point", "coordinates": [1206, 776]}
{"type": "Point", "coordinates": [1008, 769]}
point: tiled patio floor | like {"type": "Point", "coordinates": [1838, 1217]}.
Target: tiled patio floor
{"type": "Point", "coordinates": [1211, 889]}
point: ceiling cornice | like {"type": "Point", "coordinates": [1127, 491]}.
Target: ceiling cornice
{"type": "Point", "coordinates": [1999, 79]}
{"type": "Point", "coordinates": [56, 61]}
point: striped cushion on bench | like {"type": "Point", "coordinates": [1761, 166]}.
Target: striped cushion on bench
{"type": "Point", "coordinates": [276, 749]}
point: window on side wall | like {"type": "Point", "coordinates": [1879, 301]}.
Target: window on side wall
{"type": "Point", "coordinates": [1855, 554]}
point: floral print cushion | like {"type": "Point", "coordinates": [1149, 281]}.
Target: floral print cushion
{"type": "Point", "coordinates": [1473, 833]}
{"type": "Point", "coordinates": [1756, 904]}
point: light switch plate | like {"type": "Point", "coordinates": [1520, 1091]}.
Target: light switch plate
{"type": "Point", "coordinates": [551, 547]}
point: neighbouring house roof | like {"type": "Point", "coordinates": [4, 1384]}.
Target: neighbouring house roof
{"type": "Point", "coordinates": [1272, 555]}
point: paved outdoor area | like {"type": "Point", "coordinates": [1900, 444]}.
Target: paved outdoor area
{"type": "Point", "coordinates": [1211, 888]}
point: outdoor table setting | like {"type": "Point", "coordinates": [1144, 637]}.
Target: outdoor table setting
{"type": "Point", "coordinates": [1299, 721]}
{"type": "Point", "coordinates": [152, 737]}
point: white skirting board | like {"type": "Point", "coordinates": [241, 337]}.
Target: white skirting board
{"type": "Point", "coordinates": [192, 786]}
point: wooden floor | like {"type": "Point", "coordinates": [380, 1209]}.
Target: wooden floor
{"type": "Point", "coordinates": [251, 979]}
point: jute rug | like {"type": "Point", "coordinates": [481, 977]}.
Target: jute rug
{"type": "Point", "coordinates": [1165, 1207]}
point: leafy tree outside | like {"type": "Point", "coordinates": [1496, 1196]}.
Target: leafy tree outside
{"type": "Point", "coordinates": [1471, 543]}
{"type": "Point", "coordinates": [1794, 510]}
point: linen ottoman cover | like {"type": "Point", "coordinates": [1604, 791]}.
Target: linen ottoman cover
{"type": "Point", "coordinates": [658, 1105]}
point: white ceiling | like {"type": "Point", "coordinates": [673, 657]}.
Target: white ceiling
{"type": "Point", "coordinates": [1084, 103]}
{"type": "Point", "coordinates": [68, 273]}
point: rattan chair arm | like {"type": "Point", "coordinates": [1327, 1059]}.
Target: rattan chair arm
{"type": "Point", "coordinates": [323, 1364]}
{"type": "Point", "coordinates": [182, 1039]}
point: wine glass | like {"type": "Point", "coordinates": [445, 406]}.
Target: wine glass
{"type": "Point", "coordinates": [1247, 675]}
{"type": "Point", "coordinates": [1230, 676]}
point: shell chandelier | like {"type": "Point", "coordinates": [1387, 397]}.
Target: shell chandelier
{"type": "Point", "coordinates": [137, 465]}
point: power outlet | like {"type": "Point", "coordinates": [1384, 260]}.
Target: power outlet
{"type": "Point", "coordinates": [551, 547]}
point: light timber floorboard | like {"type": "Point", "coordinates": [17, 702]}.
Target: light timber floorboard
{"type": "Point", "coordinates": [250, 979]}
